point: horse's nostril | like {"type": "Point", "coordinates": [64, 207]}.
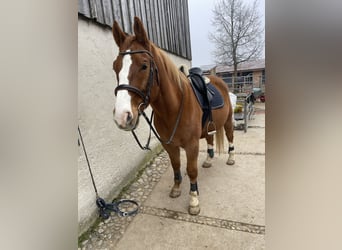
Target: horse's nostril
{"type": "Point", "coordinates": [129, 117]}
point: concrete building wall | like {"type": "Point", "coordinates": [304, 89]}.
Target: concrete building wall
{"type": "Point", "coordinates": [114, 155]}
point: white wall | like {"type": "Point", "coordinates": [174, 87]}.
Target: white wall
{"type": "Point", "coordinates": [114, 155]}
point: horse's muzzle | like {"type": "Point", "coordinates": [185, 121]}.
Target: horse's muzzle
{"type": "Point", "coordinates": [126, 121]}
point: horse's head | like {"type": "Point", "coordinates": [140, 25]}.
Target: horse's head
{"type": "Point", "coordinates": [134, 68]}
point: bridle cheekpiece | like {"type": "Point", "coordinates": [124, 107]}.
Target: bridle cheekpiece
{"type": "Point", "coordinates": [144, 94]}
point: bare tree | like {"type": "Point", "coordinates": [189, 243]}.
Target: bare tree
{"type": "Point", "coordinates": [238, 32]}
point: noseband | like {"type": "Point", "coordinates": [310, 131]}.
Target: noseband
{"type": "Point", "coordinates": [144, 94]}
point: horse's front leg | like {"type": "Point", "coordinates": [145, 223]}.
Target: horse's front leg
{"type": "Point", "coordinates": [191, 168]}
{"type": "Point", "coordinates": [174, 155]}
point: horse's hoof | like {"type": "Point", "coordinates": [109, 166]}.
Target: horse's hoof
{"type": "Point", "coordinates": [230, 162]}
{"type": "Point", "coordinates": [206, 164]}
{"type": "Point", "coordinates": [194, 210]}
{"type": "Point", "coordinates": [175, 193]}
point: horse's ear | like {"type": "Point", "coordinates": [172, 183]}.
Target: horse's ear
{"type": "Point", "coordinates": [140, 32]}
{"type": "Point", "coordinates": [119, 35]}
{"type": "Point", "coordinates": [184, 69]}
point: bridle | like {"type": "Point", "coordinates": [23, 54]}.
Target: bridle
{"type": "Point", "coordinates": [145, 96]}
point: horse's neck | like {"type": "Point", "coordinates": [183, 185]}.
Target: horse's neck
{"type": "Point", "coordinates": [169, 97]}
{"type": "Point", "coordinates": [171, 90]}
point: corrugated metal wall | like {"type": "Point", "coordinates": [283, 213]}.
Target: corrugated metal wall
{"type": "Point", "coordinates": [167, 22]}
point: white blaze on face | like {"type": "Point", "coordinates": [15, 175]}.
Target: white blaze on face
{"type": "Point", "coordinates": [123, 99]}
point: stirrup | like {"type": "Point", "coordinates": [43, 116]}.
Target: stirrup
{"type": "Point", "coordinates": [212, 132]}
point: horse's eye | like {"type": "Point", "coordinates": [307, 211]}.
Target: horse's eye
{"type": "Point", "coordinates": [144, 67]}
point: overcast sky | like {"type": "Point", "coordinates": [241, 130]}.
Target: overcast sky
{"type": "Point", "coordinates": [200, 13]}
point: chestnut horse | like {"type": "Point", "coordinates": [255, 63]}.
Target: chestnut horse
{"type": "Point", "coordinates": [146, 76]}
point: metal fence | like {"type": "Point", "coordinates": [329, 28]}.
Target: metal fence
{"type": "Point", "coordinates": [242, 84]}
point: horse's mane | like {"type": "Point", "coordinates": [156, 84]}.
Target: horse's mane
{"type": "Point", "coordinates": [173, 72]}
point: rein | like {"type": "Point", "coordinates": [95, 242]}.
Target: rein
{"type": "Point", "coordinates": [145, 96]}
{"type": "Point", "coordinates": [155, 132]}
{"type": "Point", "coordinates": [105, 209]}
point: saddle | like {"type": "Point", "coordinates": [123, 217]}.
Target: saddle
{"type": "Point", "coordinates": [207, 95]}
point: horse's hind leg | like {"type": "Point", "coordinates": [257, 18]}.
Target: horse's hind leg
{"type": "Point", "coordinates": [174, 155]}
{"type": "Point", "coordinates": [229, 128]}
{"type": "Point", "coordinates": [210, 151]}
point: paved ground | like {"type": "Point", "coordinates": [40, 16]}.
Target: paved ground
{"type": "Point", "coordinates": [232, 203]}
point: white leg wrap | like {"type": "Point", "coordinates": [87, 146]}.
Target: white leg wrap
{"type": "Point", "coordinates": [209, 159]}
{"type": "Point", "coordinates": [194, 201]}
{"type": "Point", "coordinates": [231, 157]}
{"type": "Point", "coordinates": [208, 162]}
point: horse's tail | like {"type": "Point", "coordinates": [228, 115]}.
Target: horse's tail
{"type": "Point", "coordinates": [219, 139]}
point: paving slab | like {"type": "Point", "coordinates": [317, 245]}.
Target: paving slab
{"type": "Point", "coordinates": [230, 192]}
{"type": "Point", "coordinates": [252, 142]}
{"type": "Point", "coordinates": [232, 200]}
{"type": "Point", "coordinates": [154, 233]}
